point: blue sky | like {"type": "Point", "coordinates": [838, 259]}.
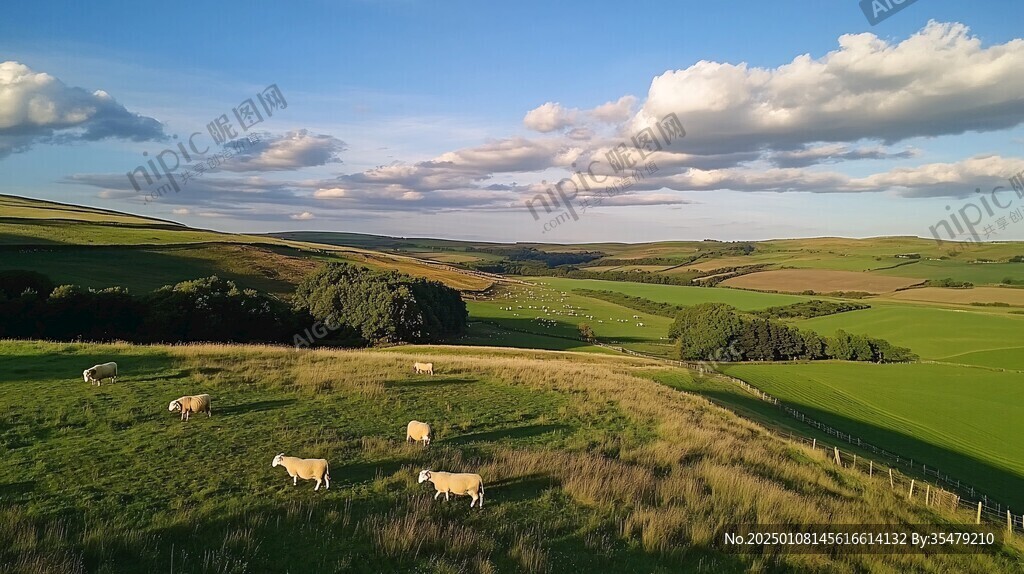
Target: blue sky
{"type": "Point", "coordinates": [444, 119]}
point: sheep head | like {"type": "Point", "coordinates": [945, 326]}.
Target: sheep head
{"type": "Point", "coordinates": [174, 406]}
{"type": "Point", "coordinates": [88, 374]}
{"type": "Point", "coordinates": [424, 476]}
{"type": "Point", "coordinates": [277, 459]}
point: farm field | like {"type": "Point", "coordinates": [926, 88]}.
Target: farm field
{"type": "Point", "coordinates": [580, 460]}
{"type": "Point", "coordinates": [819, 281]}
{"type": "Point", "coordinates": [964, 420]}
{"type": "Point", "coordinates": [954, 335]}
{"type": "Point", "coordinates": [676, 294]}
{"type": "Point", "coordinates": [977, 273]}
{"type": "Point", "coordinates": [1008, 295]}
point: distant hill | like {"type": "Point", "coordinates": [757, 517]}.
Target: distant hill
{"type": "Point", "coordinates": [100, 248]}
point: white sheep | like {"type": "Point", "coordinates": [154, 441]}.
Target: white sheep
{"type": "Point", "coordinates": [455, 483]}
{"type": "Point", "coordinates": [422, 368]}
{"type": "Point", "coordinates": [417, 431]}
{"type": "Point", "coordinates": [192, 404]}
{"type": "Point", "coordinates": [305, 468]}
{"type": "Point", "coordinates": [97, 373]}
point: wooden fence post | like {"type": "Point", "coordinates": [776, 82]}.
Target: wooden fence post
{"type": "Point", "coordinates": [855, 461]}
{"type": "Point", "coordinates": [891, 485]}
{"type": "Point", "coordinates": [927, 493]}
{"type": "Point", "coordinates": [911, 495]}
{"type": "Point", "coordinates": [839, 461]}
{"type": "Point", "coordinates": [814, 444]}
{"type": "Point", "coordinates": [1009, 522]}
{"type": "Point", "coordinates": [871, 467]}
{"type": "Point", "coordinates": [978, 519]}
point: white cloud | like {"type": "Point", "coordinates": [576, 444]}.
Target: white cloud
{"type": "Point", "coordinates": [181, 211]}
{"type": "Point", "coordinates": [36, 107]}
{"type": "Point", "coordinates": [291, 151]}
{"type": "Point", "coordinates": [304, 216]}
{"type": "Point", "coordinates": [550, 117]}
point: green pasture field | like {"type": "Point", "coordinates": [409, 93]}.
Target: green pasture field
{"type": "Point", "coordinates": [586, 467]}
{"type": "Point", "coordinates": [963, 420]}
{"type": "Point", "coordinates": [952, 335]}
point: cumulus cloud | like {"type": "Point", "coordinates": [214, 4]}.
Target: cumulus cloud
{"type": "Point", "coordinates": [549, 117]}
{"type": "Point", "coordinates": [181, 211]}
{"type": "Point", "coordinates": [868, 88]}
{"type": "Point", "coordinates": [36, 107]}
{"type": "Point", "coordinates": [290, 151]}
{"type": "Point", "coordinates": [304, 216]}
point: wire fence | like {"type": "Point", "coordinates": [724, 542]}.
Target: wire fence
{"type": "Point", "coordinates": [949, 492]}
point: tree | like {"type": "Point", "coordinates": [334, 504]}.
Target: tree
{"type": "Point", "coordinates": [586, 332]}
{"type": "Point", "coordinates": [382, 307]}
{"type": "Point", "coordinates": [704, 329]}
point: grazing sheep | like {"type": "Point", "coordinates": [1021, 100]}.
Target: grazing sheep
{"type": "Point", "coordinates": [417, 431]}
{"type": "Point", "coordinates": [305, 468]}
{"type": "Point", "coordinates": [422, 368]}
{"type": "Point", "coordinates": [191, 404]}
{"type": "Point", "coordinates": [455, 483]}
{"type": "Point", "coordinates": [96, 374]}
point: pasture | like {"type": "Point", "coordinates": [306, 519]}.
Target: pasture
{"type": "Point", "coordinates": [964, 421]}
{"type": "Point", "coordinates": [587, 467]}
{"type": "Point", "coordinates": [967, 336]}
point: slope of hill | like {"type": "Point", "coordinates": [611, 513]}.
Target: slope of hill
{"type": "Point", "coordinates": [588, 465]}
{"type": "Point", "coordinates": [98, 248]}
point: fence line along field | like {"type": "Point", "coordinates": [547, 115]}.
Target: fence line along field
{"type": "Point", "coordinates": [587, 467]}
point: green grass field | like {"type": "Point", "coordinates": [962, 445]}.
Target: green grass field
{"type": "Point", "coordinates": [977, 273]}
{"type": "Point", "coordinates": [586, 467]}
{"type": "Point", "coordinates": [965, 421]}
{"type": "Point", "coordinates": [953, 335]}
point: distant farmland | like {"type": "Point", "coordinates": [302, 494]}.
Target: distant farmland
{"type": "Point", "coordinates": [819, 281]}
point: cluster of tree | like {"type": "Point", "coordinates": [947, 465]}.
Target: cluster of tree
{"type": "Point", "coordinates": [548, 258]}
{"type": "Point", "coordinates": [337, 305]}
{"type": "Point", "coordinates": [809, 309]}
{"type": "Point", "coordinates": [382, 306]}
{"type": "Point", "coordinates": [1016, 259]}
{"type": "Point", "coordinates": [535, 270]}
{"type": "Point", "coordinates": [648, 261]}
{"type": "Point", "coordinates": [210, 309]}
{"type": "Point", "coordinates": [703, 331]}
{"type": "Point", "coordinates": [631, 302]}
{"type": "Point", "coordinates": [949, 283]}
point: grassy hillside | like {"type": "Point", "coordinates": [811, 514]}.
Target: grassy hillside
{"type": "Point", "coordinates": [961, 420]}
{"type": "Point", "coordinates": [588, 466]}
{"type": "Point", "coordinates": [101, 248]}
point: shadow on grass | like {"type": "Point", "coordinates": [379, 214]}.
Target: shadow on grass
{"type": "Point", "coordinates": [15, 489]}
{"type": "Point", "coordinates": [433, 382]}
{"type": "Point", "coordinates": [254, 407]}
{"type": "Point", "coordinates": [512, 433]}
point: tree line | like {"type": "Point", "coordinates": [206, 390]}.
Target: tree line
{"type": "Point", "coordinates": [718, 332]}
{"type": "Point", "coordinates": [376, 308]}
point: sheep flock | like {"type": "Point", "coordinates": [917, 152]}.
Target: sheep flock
{"type": "Point", "coordinates": [318, 469]}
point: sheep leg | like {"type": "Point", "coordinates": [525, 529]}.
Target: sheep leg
{"type": "Point", "coordinates": [446, 493]}
{"type": "Point", "coordinates": [327, 479]}
{"type": "Point", "coordinates": [473, 494]}
{"type": "Point", "coordinates": [317, 487]}
{"type": "Point", "coordinates": [295, 480]}
{"type": "Point", "coordinates": [438, 494]}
